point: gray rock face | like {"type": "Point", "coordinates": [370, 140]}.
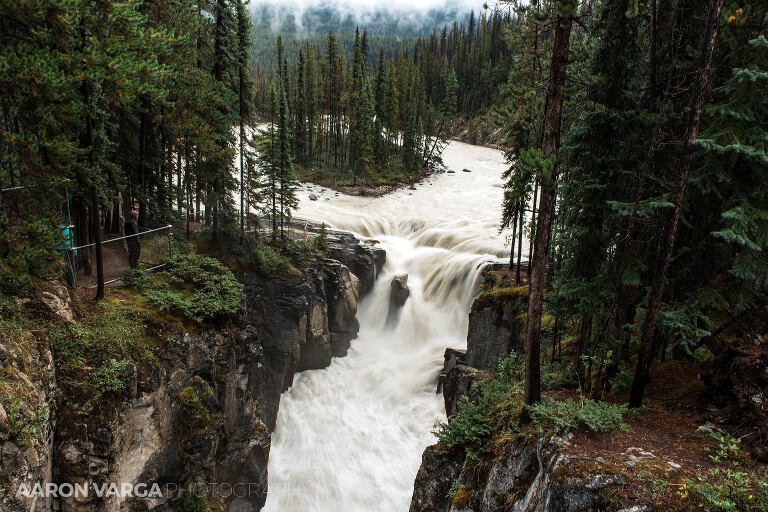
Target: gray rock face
{"type": "Point", "coordinates": [437, 474]}
{"type": "Point", "coordinates": [303, 323]}
{"type": "Point", "coordinates": [398, 294]}
{"type": "Point", "coordinates": [525, 477]}
{"type": "Point", "coordinates": [364, 259]}
{"type": "Point", "coordinates": [494, 330]}
{"type": "Point", "coordinates": [237, 372]}
{"type": "Point", "coordinates": [26, 457]}
{"type": "Point", "coordinates": [455, 381]}
{"type": "Point", "coordinates": [152, 438]}
{"type": "Point", "coordinates": [511, 472]}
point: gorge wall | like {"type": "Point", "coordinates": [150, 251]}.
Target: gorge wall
{"type": "Point", "coordinates": [534, 473]}
{"type": "Point", "coordinates": [204, 413]}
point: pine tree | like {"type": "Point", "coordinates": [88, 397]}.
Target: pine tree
{"type": "Point", "coordinates": [245, 96]}
{"type": "Point", "coordinates": [548, 179]}
{"type": "Point", "coordinates": [659, 280]}
{"type": "Point", "coordinates": [300, 111]}
{"type": "Point", "coordinates": [286, 177]}
{"type": "Point", "coordinates": [412, 142]}
{"type": "Point", "coordinates": [380, 96]}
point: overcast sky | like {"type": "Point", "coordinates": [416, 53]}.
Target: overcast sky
{"type": "Point", "coordinates": [362, 7]}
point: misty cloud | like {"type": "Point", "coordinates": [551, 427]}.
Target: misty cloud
{"type": "Point", "coordinates": [400, 14]}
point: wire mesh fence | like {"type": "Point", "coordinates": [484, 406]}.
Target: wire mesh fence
{"type": "Point", "coordinates": [148, 250]}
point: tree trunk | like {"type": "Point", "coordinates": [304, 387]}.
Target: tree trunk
{"type": "Point", "coordinates": [657, 290]}
{"type": "Point", "coordinates": [553, 120]}
{"type": "Point", "coordinates": [512, 241]}
{"type": "Point", "coordinates": [533, 224]}
{"type": "Point", "coordinates": [95, 225]}
{"type": "Point", "coordinates": [242, 173]}
{"type": "Point", "coordinates": [652, 57]}
{"type": "Point", "coordinates": [521, 209]}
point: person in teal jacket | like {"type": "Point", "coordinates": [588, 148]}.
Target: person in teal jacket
{"type": "Point", "coordinates": [70, 254]}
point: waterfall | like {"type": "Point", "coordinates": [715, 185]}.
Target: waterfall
{"type": "Point", "coordinates": [349, 437]}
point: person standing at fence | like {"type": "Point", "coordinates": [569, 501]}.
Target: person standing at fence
{"type": "Point", "coordinates": [133, 242]}
{"type": "Point", "coordinates": [70, 254]}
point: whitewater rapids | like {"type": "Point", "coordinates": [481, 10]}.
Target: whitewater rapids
{"type": "Point", "coordinates": [349, 437]}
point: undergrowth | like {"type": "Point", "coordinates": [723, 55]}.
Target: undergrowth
{"type": "Point", "coordinates": [91, 354]}
{"type": "Point", "coordinates": [491, 414]}
{"type": "Point", "coordinates": [727, 487]}
{"type": "Point", "coordinates": [197, 288]}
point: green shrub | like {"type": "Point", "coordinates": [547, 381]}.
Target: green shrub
{"type": "Point", "coordinates": [557, 375]}
{"type": "Point", "coordinates": [622, 382]}
{"type": "Point", "coordinates": [491, 279]}
{"type": "Point", "coordinates": [197, 288]}
{"type": "Point", "coordinates": [320, 242]}
{"type": "Point", "coordinates": [199, 501]}
{"type": "Point", "coordinates": [297, 252]}
{"type": "Point", "coordinates": [112, 331]}
{"type": "Point", "coordinates": [727, 488]}
{"type": "Point", "coordinates": [12, 282]}
{"type": "Point", "coordinates": [268, 262]}
{"type": "Point", "coordinates": [495, 410]}
{"type": "Point", "coordinates": [23, 426]}
{"type": "Point", "coordinates": [501, 294]}
{"type": "Point", "coordinates": [180, 246]}
{"type": "Point", "coordinates": [193, 406]}
{"type": "Point", "coordinates": [563, 416]}
{"type": "Point", "coordinates": [136, 277]}
{"type": "Point", "coordinates": [107, 379]}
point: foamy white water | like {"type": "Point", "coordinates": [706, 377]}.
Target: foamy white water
{"type": "Point", "coordinates": [350, 437]}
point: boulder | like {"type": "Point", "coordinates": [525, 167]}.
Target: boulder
{"type": "Point", "coordinates": [312, 197]}
{"type": "Point", "coordinates": [398, 294]}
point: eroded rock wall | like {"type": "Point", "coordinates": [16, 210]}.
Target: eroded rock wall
{"type": "Point", "coordinates": [205, 411]}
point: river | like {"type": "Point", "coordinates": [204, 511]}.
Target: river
{"type": "Point", "coordinates": [349, 437]}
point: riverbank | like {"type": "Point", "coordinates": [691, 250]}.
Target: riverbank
{"type": "Point", "coordinates": [373, 186]}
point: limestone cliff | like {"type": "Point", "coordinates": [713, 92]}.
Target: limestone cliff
{"type": "Point", "coordinates": [200, 418]}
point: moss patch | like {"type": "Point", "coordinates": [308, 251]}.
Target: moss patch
{"type": "Point", "coordinates": [462, 496]}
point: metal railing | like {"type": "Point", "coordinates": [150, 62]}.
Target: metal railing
{"type": "Point", "coordinates": [148, 250]}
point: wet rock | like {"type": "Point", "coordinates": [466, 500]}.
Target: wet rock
{"type": "Point", "coordinates": [466, 170]}
{"type": "Point", "coordinates": [364, 259]}
{"type": "Point", "coordinates": [398, 294]}
{"type": "Point", "coordinates": [455, 381]}
{"type": "Point", "coordinates": [511, 471]}
{"type": "Point", "coordinates": [437, 474]}
{"type": "Point", "coordinates": [528, 475]}
{"type": "Point", "coordinates": [312, 197]}
{"type": "Point", "coordinates": [451, 172]}
{"type": "Point", "coordinates": [494, 330]}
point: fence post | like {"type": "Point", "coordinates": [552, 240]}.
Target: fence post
{"type": "Point", "coordinates": [170, 243]}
